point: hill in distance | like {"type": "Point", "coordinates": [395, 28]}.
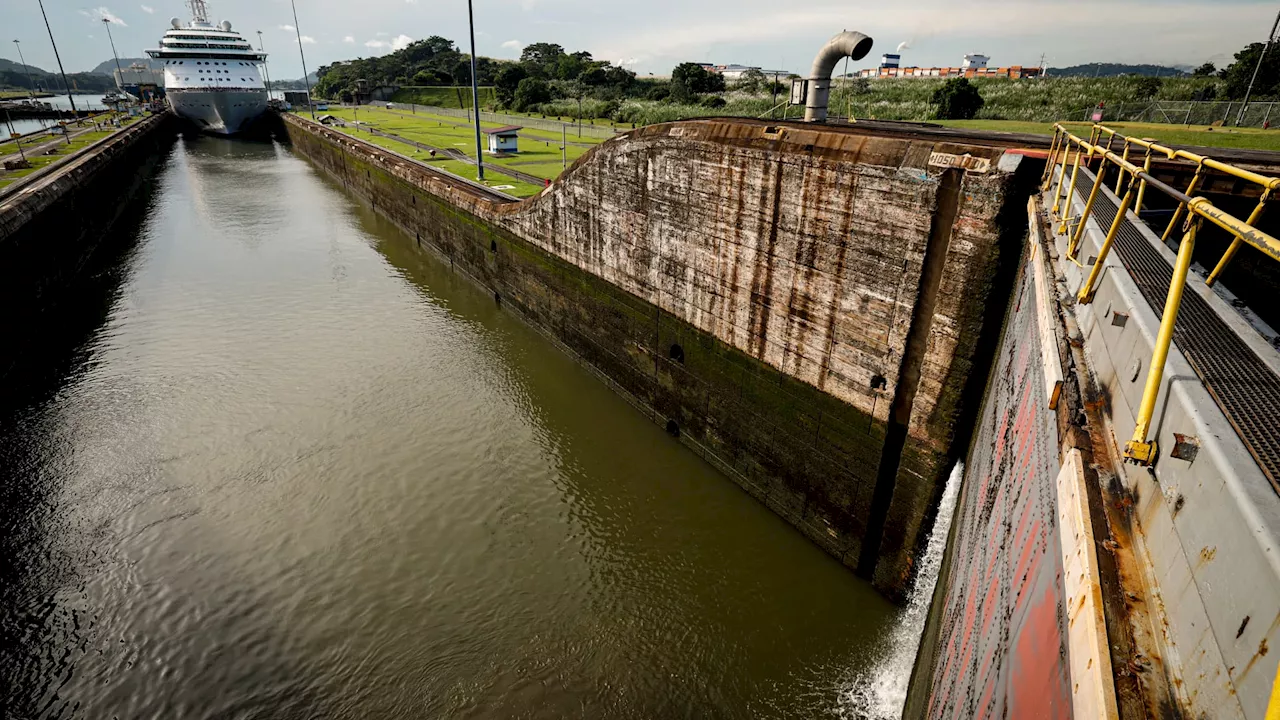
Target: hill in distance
{"type": "Point", "coordinates": [106, 67]}
{"type": "Point", "coordinates": [11, 66]}
{"type": "Point", "coordinates": [1115, 70]}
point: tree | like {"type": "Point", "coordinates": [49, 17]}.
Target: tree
{"type": "Point", "coordinates": [752, 80]}
{"type": "Point", "coordinates": [697, 79]}
{"type": "Point", "coordinates": [507, 81]}
{"type": "Point", "coordinates": [541, 59]}
{"type": "Point", "coordinates": [1206, 70]}
{"type": "Point", "coordinates": [1146, 88]}
{"type": "Point", "coordinates": [1239, 73]}
{"type": "Point", "coordinates": [957, 99]}
{"type": "Point", "coordinates": [531, 92]}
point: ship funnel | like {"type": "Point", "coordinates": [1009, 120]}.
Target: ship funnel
{"type": "Point", "coordinates": [854, 45]}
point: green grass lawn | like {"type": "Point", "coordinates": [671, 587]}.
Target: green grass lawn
{"type": "Point", "coordinates": [509, 185]}
{"type": "Point", "coordinates": [63, 150]}
{"type": "Point", "coordinates": [539, 151]}
{"type": "Point", "coordinates": [1241, 138]}
{"type": "Point", "coordinates": [20, 94]}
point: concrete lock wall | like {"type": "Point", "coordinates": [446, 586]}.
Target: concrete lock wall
{"type": "Point", "coordinates": [797, 304]}
{"type": "Point", "coordinates": [51, 224]}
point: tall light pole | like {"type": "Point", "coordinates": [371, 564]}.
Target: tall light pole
{"type": "Point", "coordinates": [310, 101]}
{"type": "Point", "coordinates": [266, 73]}
{"type": "Point", "coordinates": [30, 79]}
{"type": "Point", "coordinates": [1270, 39]}
{"type": "Point", "coordinates": [62, 72]}
{"type": "Point", "coordinates": [475, 92]}
{"type": "Point", "coordinates": [119, 73]}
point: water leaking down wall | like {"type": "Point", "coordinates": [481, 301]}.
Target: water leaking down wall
{"type": "Point", "coordinates": [803, 306]}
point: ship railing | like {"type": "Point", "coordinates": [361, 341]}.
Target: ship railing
{"type": "Point", "coordinates": [1134, 180]}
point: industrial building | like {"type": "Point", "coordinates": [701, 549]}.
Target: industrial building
{"type": "Point", "coordinates": [974, 65]}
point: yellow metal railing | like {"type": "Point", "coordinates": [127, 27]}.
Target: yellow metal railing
{"type": "Point", "coordinates": [1069, 149]}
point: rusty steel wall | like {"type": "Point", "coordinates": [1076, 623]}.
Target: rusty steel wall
{"type": "Point", "coordinates": [786, 262]}
{"type": "Point", "coordinates": [999, 645]}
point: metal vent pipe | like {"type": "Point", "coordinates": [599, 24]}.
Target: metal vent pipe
{"type": "Point", "coordinates": [852, 44]}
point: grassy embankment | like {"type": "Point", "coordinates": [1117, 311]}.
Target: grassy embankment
{"type": "Point", "coordinates": [78, 143]}
{"type": "Point", "coordinates": [1030, 106]}
{"type": "Point", "coordinates": [21, 94]}
{"type": "Point", "coordinates": [1239, 138]}
{"type": "Point", "coordinates": [446, 97]}
{"type": "Point", "coordinates": [539, 149]}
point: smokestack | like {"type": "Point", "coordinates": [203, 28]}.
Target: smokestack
{"type": "Point", "coordinates": [854, 45]}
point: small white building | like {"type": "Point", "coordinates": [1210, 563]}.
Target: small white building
{"type": "Point", "coordinates": [975, 61]}
{"type": "Point", "coordinates": [503, 139]}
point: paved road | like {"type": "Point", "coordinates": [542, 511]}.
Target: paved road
{"type": "Point", "coordinates": [33, 150]}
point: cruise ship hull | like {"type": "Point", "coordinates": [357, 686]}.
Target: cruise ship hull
{"type": "Point", "coordinates": [221, 112]}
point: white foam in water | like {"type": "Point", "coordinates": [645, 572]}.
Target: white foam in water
{"type": "Point", "coordinates": [881, 693]}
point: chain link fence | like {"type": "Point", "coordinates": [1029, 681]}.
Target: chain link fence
{"type": "Point", "coordinates": [573, 129]}
{"type": "Point", "coordinates": [1189, 112]}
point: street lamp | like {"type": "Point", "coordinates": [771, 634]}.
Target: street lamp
{"type": "Point", "coordinates": [265, 73]}
{"type": "Point", "coordinates": [475, 92]}
{"type": "Point", "coordinates": [310, 101]}
{"type": "Point", "coordinates": [62, 72]}
{"type": "Point", "coordinates": [119, 73]}
{"type": "Point", "coordinates": [30, 79]}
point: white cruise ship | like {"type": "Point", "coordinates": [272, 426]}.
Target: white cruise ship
{"type": "Point", "coordinates": [212, 76]}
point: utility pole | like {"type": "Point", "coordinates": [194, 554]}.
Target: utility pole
{"type": "Point", "coordinates": [266, 74]}
{"type": "Point", "coordinates": [310, 100]}
{"type": "Point", "coordinates": [1270, 39]}
{"type": "Point", "coordinates": [475, 92]}
{"type": "Point", "coordinates": [14, 134]}
{"type": "Point", "coordinates": [564, 147]}
{"type": "Point", "coordinates": [30, 79]}
{"type": "Point", "coordinates": [119, 73]}
{"type": "Point", "coordinates": [62, 72]}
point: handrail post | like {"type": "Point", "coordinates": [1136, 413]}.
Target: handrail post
{"type": "Point", "coordinates": [1142, 185]}
{"type": "Point", "coordinates": [1062, 176]}
{"type": "Point", "coordinates": [1085, 296]}
{"type": "Point", "coordinates": [1139, 449]}
{"type": "Point", "coordinates": [1254, 217]}
{"type": "Point", "coordinates": [1177, 213]}
{"type": "Point", "coordinates": [1071, 191]}
{"type": "Point", "coordinates": [1074, 246]}
{"type": "Point", "coordinates": [1047, 180]}
{"type": "Point", "coordinates": [1125, 158]}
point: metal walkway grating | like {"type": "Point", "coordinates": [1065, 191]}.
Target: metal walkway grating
{"type": "Point", "coordinates": [1243, 386]}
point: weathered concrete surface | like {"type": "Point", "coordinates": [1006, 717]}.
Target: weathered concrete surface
{"type": "Point", "coordinates": [754, 286]}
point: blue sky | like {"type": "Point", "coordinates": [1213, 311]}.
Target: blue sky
{"type": "Point", "coordinates": [654, 35]}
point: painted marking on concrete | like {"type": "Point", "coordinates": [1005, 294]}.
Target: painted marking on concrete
{"type": "Point", "coordinates": [1092, 688]}
{"type": "Point", "coordinates": [966, 162]}
{"type": "Point", "coordinates": [1046, 318]}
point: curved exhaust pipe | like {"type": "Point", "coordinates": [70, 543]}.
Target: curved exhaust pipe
{"type": "Point", "coordinates": [854, 45]}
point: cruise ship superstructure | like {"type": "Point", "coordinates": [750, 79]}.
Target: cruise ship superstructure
{"type": "Point", "coordinates": [212, 76]}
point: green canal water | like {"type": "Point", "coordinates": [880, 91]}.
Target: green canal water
{"type": "Point", "coordinates": [287, 466]}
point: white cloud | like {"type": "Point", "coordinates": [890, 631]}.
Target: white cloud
{"type": "Point", "coordinates": [375, 44]}
{"type": "Point", "coordinates": [148, 9]}
{"type": "Point", "coordinates": [104, 14]}
{"type": "Point", "coordinates": [308, 40]}
{"type": "Point", "coordinates": [512, 45]}
{"type": "Point", "coordinates": [382, 34]}
{"type": "Point", "coordinates": [348, 39]}
{"type": "Point", "coordinates": [400, 42]}
{"type": "Point", "coordinates": [287, 28]}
